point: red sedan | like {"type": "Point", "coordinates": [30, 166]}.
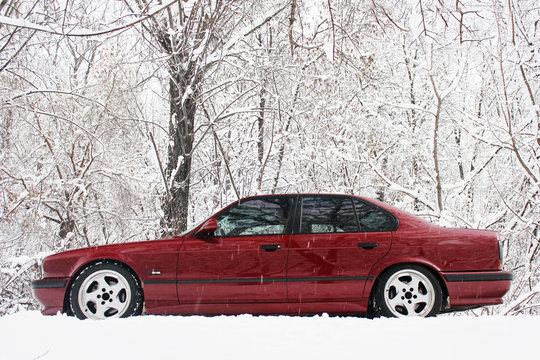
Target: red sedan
{"type": "Point", "coordinates": [284, 254]}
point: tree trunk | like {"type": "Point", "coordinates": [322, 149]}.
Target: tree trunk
{"type": "Point", "coordinates": [182, 115]}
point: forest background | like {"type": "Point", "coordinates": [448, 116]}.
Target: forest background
{"type": "Point", "coordinates": [129, 120]}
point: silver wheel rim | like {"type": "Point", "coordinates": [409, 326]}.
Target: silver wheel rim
{"type": "Point", "coordinates": [104, 294]}
{"type": "Point", "coordinates": [409, 293]}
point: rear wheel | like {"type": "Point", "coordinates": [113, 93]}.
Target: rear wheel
{"type": "Point", "coordinates": [105, 290]}
{"type": "Point", "coordinates": [408, 290]}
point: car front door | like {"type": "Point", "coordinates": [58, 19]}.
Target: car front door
{"type": "Point", "coordinates": [245, 259]}
{"type": "Point", "coordinates": [334, 245]}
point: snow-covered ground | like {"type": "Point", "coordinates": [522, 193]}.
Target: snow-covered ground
{"type": "Point", "coordinates": [29, 335]}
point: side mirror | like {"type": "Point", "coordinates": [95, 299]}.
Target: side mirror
{"type": "Point", "coordinates": [207, 228]}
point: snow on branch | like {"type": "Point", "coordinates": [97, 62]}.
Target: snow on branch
{"type": "Point", "coordinates": [22, 23]}
{"type": "Point", "coordinates": [515, 306]}
{"type": "Point", "coordinates": [396, 187]}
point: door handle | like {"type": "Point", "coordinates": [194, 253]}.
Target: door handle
{"type": "Point", "coordinates": [270, 247]}
{"type": "Point", "coordinates": [367, 245]}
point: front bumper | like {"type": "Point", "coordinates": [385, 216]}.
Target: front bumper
{"type": "Point", "coordinates": [50, 293]}
{"type": "Point", "coordinates": [477, 288]}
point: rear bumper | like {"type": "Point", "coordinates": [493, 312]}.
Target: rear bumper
{"type": "Point", "coordinates": [477, 288]}
{"type": "Point", "coordinates": [50, 293]}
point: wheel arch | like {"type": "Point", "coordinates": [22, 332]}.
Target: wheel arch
{"type": "Point", "coordinates": [427, 267]}
{"type": "Point", "coordinates": [66, 307]}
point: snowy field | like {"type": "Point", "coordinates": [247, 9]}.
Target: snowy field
{"type": "Point", "coordinates": [29, 335]}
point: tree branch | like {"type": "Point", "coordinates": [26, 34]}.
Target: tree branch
{"type": "Point", "coordinates": [19, 23]}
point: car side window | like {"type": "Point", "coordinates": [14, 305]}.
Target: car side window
{"type": "Point", "coordinates": [371, 218]}
{"type": "Point", "coordinates": [322, 214]}
{"type": "Point", "coordinates": [256, 216]}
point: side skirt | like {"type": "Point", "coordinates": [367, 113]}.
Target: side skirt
{"type": "Point", "coordinates": [338, 308]}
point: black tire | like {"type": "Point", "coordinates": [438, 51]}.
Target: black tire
{"type": "Point", "coordinates": [105, 290]}
{"type": "Point", "coordinates": [407, 290]}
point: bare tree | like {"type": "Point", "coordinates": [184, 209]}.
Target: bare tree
{"type": "Point", "coordinates": [189, 34]}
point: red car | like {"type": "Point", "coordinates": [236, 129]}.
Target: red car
{"type": "Point", "coordinates": [284, 254]}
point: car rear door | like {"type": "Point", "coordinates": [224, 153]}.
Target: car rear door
{"type": "Point", "coordinates": [332, 249]}
{"type": "Point", "coordinates": [245, 260]}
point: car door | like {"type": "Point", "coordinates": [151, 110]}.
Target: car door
{"type": "Point", "coordinates": [335, 243]}
{"type": "Point", "coordinates": [245, 259]}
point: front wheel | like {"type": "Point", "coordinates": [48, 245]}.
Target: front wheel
{"type": "Point", "coordinates": [105, 290]}
{"type": "Point", "coordinates": [408, 290]}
